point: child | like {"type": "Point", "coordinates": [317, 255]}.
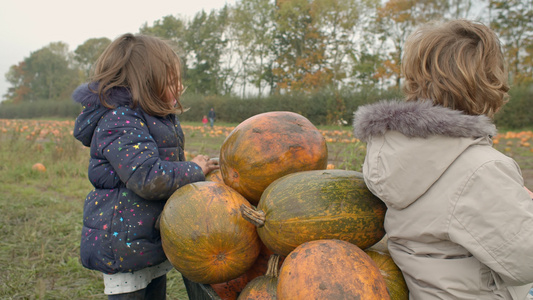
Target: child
{"type": "Point", "coordinates": [136, 162]}
{"type": "Point", "coordinates": [459, 221]}
{"type": "Point", "coordinates": [212, 115]}
{"type": "Point", "coordinates": [204, 121]}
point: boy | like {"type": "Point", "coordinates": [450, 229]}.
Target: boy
{"type": "Point", "coordinates": [459, 220]}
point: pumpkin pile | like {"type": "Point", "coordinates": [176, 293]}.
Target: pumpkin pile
{"type": "Point", "coordinates": [274, 205]}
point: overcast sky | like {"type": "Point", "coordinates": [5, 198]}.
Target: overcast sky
{"type": "Point", "coordinates": [27, 26]}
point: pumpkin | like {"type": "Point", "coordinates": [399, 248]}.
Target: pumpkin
{"type": "Point", "coordinates": [260, 266]}
{"type": "Point", "coordinates": [203, 234]}
{"type": "Point", "coordinates": [330, 269]}
{"type": "Point", "coordinates": [268, 146]}
{"type": "Point", "coordinates": [215, 176]}
{"type": "Point", "coordinates": [313, 205]}
{"type": "Point", "coordinates": [393, 275]}
{"type": "Point", "coordinates": [381, 245]}
{"type": "Point", "coordinates": [230, 290]}
{"type": "Point", "coordinates": [263, 287]}
{"type": "Point", "coordinates": [39, 167]}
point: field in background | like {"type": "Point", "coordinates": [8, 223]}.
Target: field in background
{"type": "Point", "coordinates": [42, 211]}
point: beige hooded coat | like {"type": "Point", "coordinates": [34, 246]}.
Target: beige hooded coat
{"type": "Point", "coordinates": [459, 221]}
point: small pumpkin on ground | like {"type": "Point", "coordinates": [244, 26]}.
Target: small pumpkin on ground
{"type": "Point", "coordinates": [268, 146]}
{"type": "Point", "coordinates": [314, 205]}
{"type": "Point", "coordinates": [204, 236]}
{"type": "Point", "coordinates": [39, 167]}
{"type": "Point", "coordinates": [330, 269]}
{"type": "Point", "coordinates": [263, 287]}
{"type": "Point", "coordinates": [393, 275]}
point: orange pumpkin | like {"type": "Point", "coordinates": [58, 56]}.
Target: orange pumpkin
{"type": "Point", "coordinates": [268, 146]}
{"type": "Point", "coordinates": [330, 269]}
{"type": "Point", "coordinates": [260, 266]}
{"type": "Point", "coordinates": [215, 176]}
{"type": "Point", "coordinates": [263, 287]}
{"type": "Point", "coordinates": [204, 236]}
{"type": "Point", "coordinates": [39, 167]}
{"type": "Point", "coordinates": [230, 290]}
{"type": "Point", "coordinates": [393, 275]}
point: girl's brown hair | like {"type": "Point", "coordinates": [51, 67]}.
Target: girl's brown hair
{"type": "Point", "coordinates": [147, 66]}
{"type": "Point", "coordinates": [458, 64]}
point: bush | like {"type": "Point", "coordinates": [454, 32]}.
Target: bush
{"type": "Point", "coordinates": [326, 107]}
{"type": "Point", "coordinates": [40, 109]}
{"type": "Point", "coordinates": [322, 108]}
{"type": "Point", "coordinates": [518, 112]}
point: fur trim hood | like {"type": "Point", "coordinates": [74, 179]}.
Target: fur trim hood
{"type": "Point", "coordinates": [411, 144]}
{"type": "Point", "coordinates": [418, 119]}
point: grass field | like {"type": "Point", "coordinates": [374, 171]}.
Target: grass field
{"type": "Point", "coordinates": [41, 212]}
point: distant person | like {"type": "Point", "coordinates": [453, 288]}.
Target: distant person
{"type": "Point", "coordinates": [459, 220]}
{"type": "Point", "coordinates": [129, 113]}
{"type": "Point", "coordinates": [204, 121]}
{"type": "Point", "coordinates": [211, 116]}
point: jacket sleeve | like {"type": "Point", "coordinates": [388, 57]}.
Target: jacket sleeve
{"type": "Point", "coordinates": [125, 141]}
{"type": "Point", "coordinates": [493, 220]}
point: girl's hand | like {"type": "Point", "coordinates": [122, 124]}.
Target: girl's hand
{"type": "Point", "coordinates": [205, 163]}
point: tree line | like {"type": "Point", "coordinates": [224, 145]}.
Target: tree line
{"type": "Point", "coordinates": [259, 48]}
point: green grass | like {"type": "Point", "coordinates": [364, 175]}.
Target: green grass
{"type": "Point", "coordinates": [41, 222]}
{"type": "Point", "coordinates": [41, 213]}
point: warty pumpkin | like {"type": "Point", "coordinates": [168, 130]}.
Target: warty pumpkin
{"type": "Point", "coordinates": [203, 234]}
{"type": "Point", "coordinates": [330, 269]}
{"type": "Point", "coordinates": [268, 146]}
{"type": "Point", "coordinates": [314, 205]}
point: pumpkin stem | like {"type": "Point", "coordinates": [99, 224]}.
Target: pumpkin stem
{"type": "Point", "coordinates": [256, 217]}
{"type": "Point", "coordinates": [273, 266]}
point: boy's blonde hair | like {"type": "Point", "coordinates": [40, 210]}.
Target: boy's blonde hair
{"type": "Point", "coordinates": [458, 64]}
{"type": "Point", "coordinates": [147, 66]}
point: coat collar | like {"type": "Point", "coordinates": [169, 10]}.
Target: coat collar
{"type": "Point", "coordinates": [418, 119]}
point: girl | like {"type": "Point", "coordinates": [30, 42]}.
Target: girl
{"type": "Point", "coordinates": [136, 162]}
{"type": "Point", "coordinates": [459, 220]}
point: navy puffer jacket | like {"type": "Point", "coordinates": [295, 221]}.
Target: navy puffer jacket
{"type": "Point", "coordinates": [136, 163]}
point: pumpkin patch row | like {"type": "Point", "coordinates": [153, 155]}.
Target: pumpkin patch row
{"type": "Point", "coordinates": [274, 205]}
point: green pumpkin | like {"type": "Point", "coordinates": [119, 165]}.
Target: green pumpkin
{"type": "Point", "coordinates": [314, 205]}
{"type": "Point", "coordinates": [391, 273]}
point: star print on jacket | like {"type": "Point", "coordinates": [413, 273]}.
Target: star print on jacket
{"type": "Point", "coordinates": [136, 163]}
